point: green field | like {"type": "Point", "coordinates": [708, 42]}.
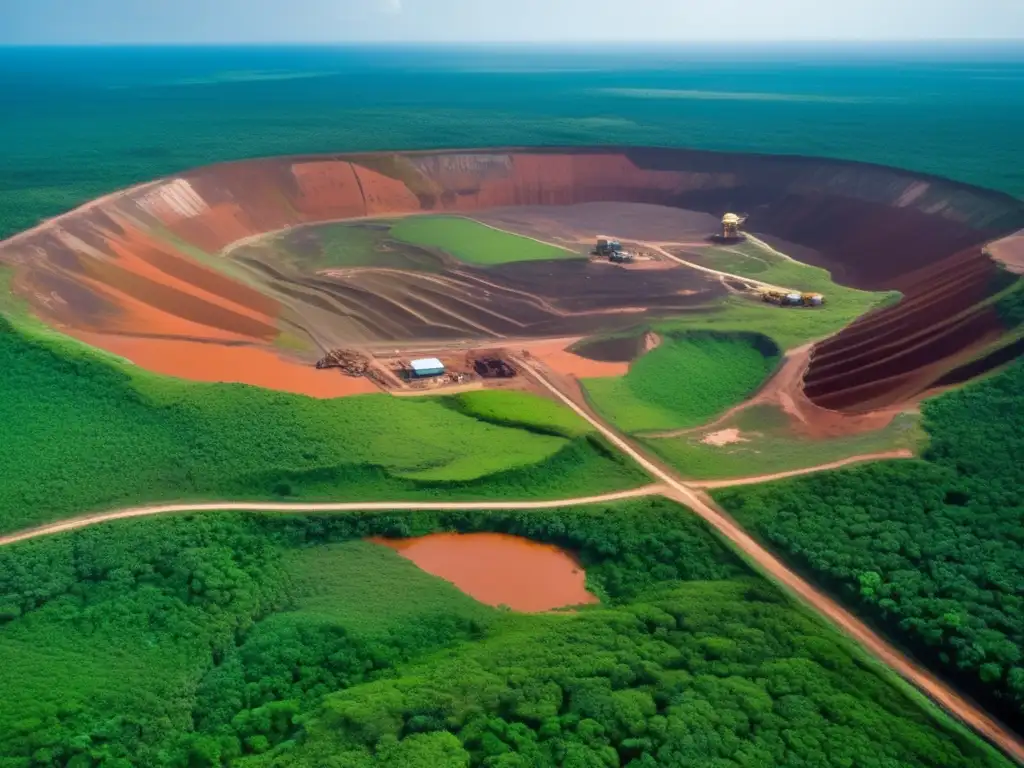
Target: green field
{"type": "Point", "coordinates": [788, 325]}
{"type": "Point", "coordinates": [355, 583]}
{"type": "Point", "coordinates": [83, 431]}
{"type": "Point", "coordinates": [338, 245]}
{"type": "Point", "coordinates": [474, 242]}
{"type": "Point", "coordinates": [270, 640]}
{"type": "Point", "coordinates": [685, 381]}
{"type": "Point", "coordinates": [769, 445]}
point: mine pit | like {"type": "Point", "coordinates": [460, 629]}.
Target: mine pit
{"type": "Point", "coordinates": [141, 273]}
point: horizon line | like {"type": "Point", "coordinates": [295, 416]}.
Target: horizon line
{"type": "Point", "coordinates": [732, 42]}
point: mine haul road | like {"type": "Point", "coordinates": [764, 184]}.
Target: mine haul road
{"type": "Point", "coordinates": [669, 486]}
{"type": "Point", "coordinates": [771, 566]}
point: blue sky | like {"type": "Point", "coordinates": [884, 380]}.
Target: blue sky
{"type": "Point", "coordinates": [324, 21]}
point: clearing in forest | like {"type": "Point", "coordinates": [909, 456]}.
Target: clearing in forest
{"type": "Point", "coordinates": [761, 440]}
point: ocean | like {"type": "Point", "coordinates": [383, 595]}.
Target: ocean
{"type": "Point", "coordinates": [79, 122]}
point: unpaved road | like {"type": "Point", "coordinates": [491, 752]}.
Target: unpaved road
{"type": "Point", "coordinates": [294, 508]}
{"type": "Point", "coordinates": [936, 690]}
{"type": "Point", "coordinates": [669, 486]}
{"type": "Point", "coordinates": [902, 453]}
{"type": "Point", "coordinates": [659, 247]}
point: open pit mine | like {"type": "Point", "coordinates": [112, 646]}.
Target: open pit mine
{"type": "Point", "coordinates": [177, 261]}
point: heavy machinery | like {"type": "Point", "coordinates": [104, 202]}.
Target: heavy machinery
{"type": "Point", "coordinates": [607, 247]}
{"type": "Point", "coordinates": [493, 368]}
{"type": "Point", "coordinates": [791, 298]}
{"type": "Point", "coordinates": [731, 223]}
{"type": "Point", "coordinates": [350, 362]}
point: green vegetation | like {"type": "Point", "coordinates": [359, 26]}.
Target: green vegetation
{"type": "Point", "coordinates": [82, 431]}
{"type": "Point", "coordinates": [688, 379]}
{"type": "Point", "coordinates": [339, 245]}
{"type": "Point", "coordinates": [758, 260]}
{"type": "Point", "coordinates": [355, 584]}
{"type": "Point", "coordinates": [521, 411]}
{"type": "Point", "coordinates": [270, 640]}
{"type": "Point", "coordinates": [788, 327]}
{"type": "Point", "coordinates": [930, 550]}
{"type": "Point", "coordinates": [1010, 305]}
{"type": "Point", "coordinates": [474, 242]}
{"type": "Point", "coordinates": [768, 444]}
{"type": "Point", "coordinates": [623, 347]}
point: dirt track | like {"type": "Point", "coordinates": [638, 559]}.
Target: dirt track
{"type": "Point", "coordinates": [825, 606]}
{"type": "Point", "coordinates": [903, 453]}
{"type": "Point", "coordinates": [877, 227]}
{"type": "Point", "coordinates": [289, 508]}
{"type": "Point", "coordinates": [669, 486]}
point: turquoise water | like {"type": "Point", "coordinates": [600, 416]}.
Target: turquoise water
{"type": "Point", "coordinates": [80, 122]}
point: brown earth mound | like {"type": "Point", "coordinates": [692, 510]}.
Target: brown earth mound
{"type": "Point", "coordinates": [144, 262]}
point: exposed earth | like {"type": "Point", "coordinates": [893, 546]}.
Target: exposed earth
{"type": "Point", "coordinates": [178, 276]}
{"type": "Point", "coordinates": [253, 271]}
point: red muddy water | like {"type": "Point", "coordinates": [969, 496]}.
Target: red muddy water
{"type": "Point", "coordinates": [499, 569]}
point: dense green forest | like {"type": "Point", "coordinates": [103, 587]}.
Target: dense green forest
{"type": "Point", "coordinates": [286, 641]}
{"type": "Point", "coordinates": [83, 432]}
{"type": "Point", "coordinates": [83, 122]}
{"type": "Point", "coordinates": [931, 550]}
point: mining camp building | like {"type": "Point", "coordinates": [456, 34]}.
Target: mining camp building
{"type": "Point", "coordinates": [429, 366]}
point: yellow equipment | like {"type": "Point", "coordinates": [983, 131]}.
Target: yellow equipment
{"type": "Point", "coordinates": [731, 224]}
{"type": "Point", "coordinates": [791, 299]}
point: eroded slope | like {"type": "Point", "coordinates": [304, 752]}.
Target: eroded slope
{"type": "Point", "coordinates": [144, 262]}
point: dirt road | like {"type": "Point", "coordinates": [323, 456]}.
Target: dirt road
{"type": "Point", "coordinates": [669, 486]}
{"type": "Point", "coordinates": [902, 453]}
{"type": "Point", "coordinates": [770, 565]}
{"type": "Point", "coordinates": [290, 508]}
{"type": "Point", "coordinates": [738, 278]}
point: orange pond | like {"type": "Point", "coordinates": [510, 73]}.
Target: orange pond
{"type": "Point", "coordinates": [499, 569]}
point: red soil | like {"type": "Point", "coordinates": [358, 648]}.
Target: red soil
{"type": "Point", "coordinates": [498, 569]}
{"type": "Point", "coordinates": [899, 352]}
{"type": "Point", "coordinates": [200, 361]}
{"type": "Point", "coordinates": [555, 356]}
{"type": "Point", "coordinates": [1010, 252]}
{"type": "Point", "coordinates": [875, 227]}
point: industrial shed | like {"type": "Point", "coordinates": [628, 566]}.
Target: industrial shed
{"type": "Point", "coordinates": [428, 366]}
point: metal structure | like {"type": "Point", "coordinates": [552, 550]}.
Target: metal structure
{"type": "Point", "coordinates": [607, 247]}
{"type": "Point", "coordinates": [731, 224]}
{"type": "Point", "coordinates": [493, 368]}
{"type": "Point", "coordinates": [792, 298]}
{"type": "Point", "coordinates": [425, 368]}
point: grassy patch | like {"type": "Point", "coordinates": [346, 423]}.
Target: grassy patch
{"type": "Point", "coordinates": [521, 410]}
{"type": "Point", "coordinates": [474, 242]}
{"type": "Point", "coordinates": [685, 381]}
{"type": "Point", "coordinates": [768, 446]}
{"type": "Point", "coordinates": [760, 261]}
{"type": "Point", "coordinates": [788, 327]}
{"type": "Point", "coordinates": [370, 589]}
{"type": "Point", "coordinates": [82, 432]}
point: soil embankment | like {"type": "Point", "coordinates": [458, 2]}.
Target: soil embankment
{"type": "Point", "coordinates": [145, 262]}
{"type": "Point", "coordinates": [498, 569]}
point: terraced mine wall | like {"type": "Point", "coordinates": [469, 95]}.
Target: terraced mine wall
{"type": "Point", "coordinates": [875, 227]}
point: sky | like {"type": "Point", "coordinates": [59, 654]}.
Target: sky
{"type": "Point", "coordinates": [28, 22]}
